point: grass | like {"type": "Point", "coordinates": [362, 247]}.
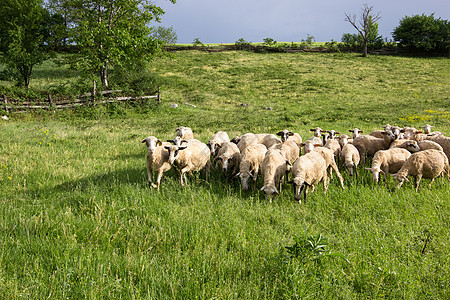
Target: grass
{"type": "Point", "coordinates": [78, 219]}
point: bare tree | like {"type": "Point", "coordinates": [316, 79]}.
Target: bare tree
{"type": "Point", "coordinates": [364, 25]}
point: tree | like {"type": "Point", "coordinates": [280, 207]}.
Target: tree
{"type": "Point", "coordinates": [168, 35]}
{"type": "Point", "coordinates": [113, 34]}
{"type": "Point", "coordinates": [21, 37]}
{"type": "Point", "coordinates": [421, 32]}
{"type": "Point", "coordinates": [366, 26]}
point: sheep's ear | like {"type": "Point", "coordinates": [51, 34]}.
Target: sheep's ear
{"type": "Point", "coordinates": [182, 147]}
{"type": "Point", "coordinates": [336, 133]}
{"type": "Point", "coordinates": [302, 145]}
{"type": "Point", "coordinates": [144, 140]}
{"type": "Point", "coordinates": [276, 192]}
{"type": "Point", "coordinates": [382, 172]}
{"type": "Point", "coordinates": [183, 141]}
{"type": "Point", "coordinates": [171, 141]}
{"type": "Point", "coordinates": [361, 131]}
{"type": "Point", "coordinates": [317, 145]}
{"type": "Point", "coordinates": [237, 175]}
{"type": "Point", "coordinates": [158, 143]}
{"type": "Point", "coordinates": [369, 169]}
{"type": "Point", "coordinates": [167, 147]}
{"type": "Point", "coordinates": [280, 133]}
{"type": "Point", "coordinates": [290, 133]}
{"type": "Point", "coordinates": [402, 130]}
{"type": "Point", "coordinates": [350, 131]}
{"type": "Point", "coordinates": [288, 163]}
{"type": "Point", "coordinates": [312, 130]}
{"type": "Point", "coordinates": [262, 189]}
{"type": "Point", "coordinates": [418, 131]}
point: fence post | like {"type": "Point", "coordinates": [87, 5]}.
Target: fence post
{"type": "Point", "coordinates": [6, 104]}
{"type": "Point", "coordinates": [94, 91]}
{"type": "Point", "coordinates": [50, 101]}
{"type": "Point", "coordinates": [159, 94]}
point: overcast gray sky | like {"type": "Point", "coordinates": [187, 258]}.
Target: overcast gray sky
{"type": "Point", "coordinates": [225, 21]}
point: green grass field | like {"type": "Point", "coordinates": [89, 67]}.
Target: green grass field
{"type": "Point", "coordinates": [78, 219]}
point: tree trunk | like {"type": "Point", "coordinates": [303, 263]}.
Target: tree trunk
{"type": "Point", "coordinates": [365, 49]}
{"type": "Point", "coordinates": [104, 75]}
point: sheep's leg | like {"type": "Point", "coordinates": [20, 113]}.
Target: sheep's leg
{"type": "Point", "coordinates": [149, 173]}
{"type": "Point", "coordinates": [417, 181]}
{"type": "Point", "coordinates": [325, 184]}
{"type": "Point", "coordinates": [158, 179]}
{"type": "Point", "coordinates": [338, 174]}
{"type": "Point", "coordinates": [431, 182]}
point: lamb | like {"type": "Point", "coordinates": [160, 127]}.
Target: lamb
{"type": "Point", "coordinates": [411, 146]}
{"type": "Point", "coordinates": [388, 161]}
{"type": "Point", "coordinates": [308, 171]}
{"type": "Point", "coordinates": [157, 159]}
{"type": "Point", "coordinates": [270, 140]}
{"type": "Point", "coordinates": [228, 157]}
{"type": "Point", "coordinates": [328, 155]}
{"type": "Point", "coordinates": [316, 137]}
{"type": "Point", "coordinates": [368, 145]}
{"type": "Point", "coordinates": [216, 141]}
{"type": "Point", "coordinates": [195, 156]}
{"type": "Point", "coordinates": [185, 133]}
{"type": "Point", "coordinates": [423, 164]}
{"type": "Point", "coordinates": [246, 140]}
{"type": "Point", "coordinates": [251, 160]}
{"type": "Point", "coordinates": [350, 158]}
{"type": "Point", "coordinates": [273, 169]}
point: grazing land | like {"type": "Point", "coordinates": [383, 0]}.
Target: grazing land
{"type": "Point", "coordinates": [79, 220]}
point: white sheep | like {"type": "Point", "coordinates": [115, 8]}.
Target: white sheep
{"type": "Point", "coordinates": [216, 141]}
{"type": "Point", "coordinates": [423, 164]}
{"type": "Point", "coordinates": [316, 138]}
{"type": "Point", "coordinates": [332, 143]}
{"type": "Point", "coordinates": [228, 157]}
{"type": "Point", "coordinates": [157, 159]}
{"type": "Point", "coordinates": [350, 158]}
{"type": "Point", "coordinates": [185, 133]}
{"type": "Point", "coordinates": [287, 135]}
{"type": "Point", "coordinates": [246, 140]}
{"type": "Point", "coordinates": [251, 160]}
{"type": "Point", "coordinates": [273, 169]}
{"type": "Point", "coordinates": [270, 140]}
{"type": "Point", "coordinates": [444, 142]}
{"type": "Point", "coordinates": [368, 145]}
{"type": "Point", "coordinates": [410, 145]}
{"type": "Point", "coordinates": [427, 130]}
{"type": "Point", "coordinates": [289, 150]}
{"type": "Point", "coordinates": [307, 172]}
{"type": "Point", "coordinates": [328, 155]}
{"type": "Point", "coordinates": [195, 156]}
{"type": "Point", "coordinates": [388, 161]}
{"type": "Point", "coordinates": [355, 133]}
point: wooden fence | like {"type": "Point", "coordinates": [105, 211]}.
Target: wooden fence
{"type": "Point", "coordinates": [10, 104]}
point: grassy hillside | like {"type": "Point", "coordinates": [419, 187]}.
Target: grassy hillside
{"type": "Point", "coordinates": [78, 219]}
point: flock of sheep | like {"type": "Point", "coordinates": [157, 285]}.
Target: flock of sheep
{"type": "Point", "coordinates": [402, 152]}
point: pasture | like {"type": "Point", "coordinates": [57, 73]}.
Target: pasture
{"type": "Point", "coordinates": [78, 219]}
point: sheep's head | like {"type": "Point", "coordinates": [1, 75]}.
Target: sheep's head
{"type": "Point", "coordinates": [177, 141]}
{"type": "Point", "coordinates": [355, 132]}
{"type": "Point", "coordinates": [151, 142]}
{"type": "Point", "coordinates": [427, 128]}
{"type": "Point", "coordinates": [412, 146]}
{"type": "Point", "coordinates": [224, 161]}
{"type": "Point", "coordinates": [245, 176]}
{"type": "Point", "coordinates": [375, 173]}
{"type": "Point", "coordinates": [308, 146]}
{"type": "Point", "coordinates": [174, 152]}
{"type": "Point", "coordinates": [399, 179]}
{"type": "Point", "coordinates": [349, 167]}
{"type": "Point", "coordinates": [285, 134]}
{"type": "Point", "coordinates": [332, 134]}
{"type": "Point", "coordinates": [317, 131]}
{"type": "Point", "coordinates": [299, 185]}
{"type": "Point", "coordinates": [270, 191]}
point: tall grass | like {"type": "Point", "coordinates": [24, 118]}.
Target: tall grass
{"type": "Point", "coordinates": [78, 219]}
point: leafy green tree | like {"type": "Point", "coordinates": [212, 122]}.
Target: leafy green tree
{"type": "Point", "coordinates": [168, 35]}
{"type": "Point", "coordinates": [113, 34]}
{"type": "Point", "coordinates": [366, 25]}
{"type": "Point", "coordinates": [422, 32]}
{"type": "Point", "coordinates": [21, 37]}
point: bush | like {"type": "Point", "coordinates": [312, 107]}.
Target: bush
{"type": "Point", "coordinates": [421, 32]}
{"type": "Point", "coordinates": [137, 82]}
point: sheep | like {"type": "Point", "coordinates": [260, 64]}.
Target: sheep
{"type": "Point", "coordinates": [228, 157]}
{"type": "Point", "coordinates": [344, 139]}
{"type": "Point", "coordinates": [316, 138]}
{"type": "Point", "coordinates": [273, 169]}
{"type": "Point", "coordinates": [157, 159]}
{"type": "Point", "coordinates": [216, 141]}
{"type": "Point", "coordinates": [270, 140]}
{"type": "Point", "coordinates": [308, 171]}
{"type": "Point", "coordinates": [287, 135]}
{"type": "Point", "coordinates": [328, 155]}
{"type": "Point", "coordinates": [411, 133]}
{"type": "Point", "coordinates": [411, 146]}
{"type": "Point", "coordinates": [387, 127]}
{"type": "Point", "coordinates": [388, 161]}
{"type": "Point", "coordinates": [423, 164]}
{"type": "Point", "coordinates": [444, 142]}
{"type": "Point", "coordinates": [289, 150]}
{"type": "Point", "coordinates": [195, 156]}
{"type": "Point", "coordinates": [185, 133]}
{"type": "Point", "coordinates": [332, 143]}
{"type": "Point", "coordinates": [368, 145]}
{"type": "Point", "coordinates": [177, 141]}
{"type": "Point", "coordinates": [261, 137]}
{"type": "Point", "coordinates": [251, 160]}
{"type": "Point", "coordinates": [350, 158]}
{"type": "Point", "coordinates": [427, 130]}
{"type": "Point", "coordinates": [246, 140]}
{"type": "Point", "coordinates": [355, 133]}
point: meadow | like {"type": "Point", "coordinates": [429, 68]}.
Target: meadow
{"type": "Point", "coordinates": [78, 219]}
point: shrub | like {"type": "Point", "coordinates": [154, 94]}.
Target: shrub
{"type": "Point", "coordinates": [421, 32]}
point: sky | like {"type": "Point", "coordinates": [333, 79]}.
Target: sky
{"type": "Point", "coordinates": [226, 21]}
